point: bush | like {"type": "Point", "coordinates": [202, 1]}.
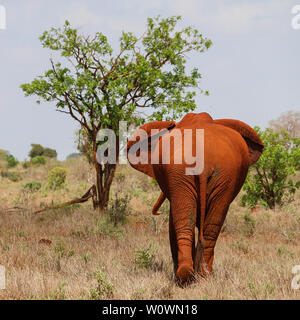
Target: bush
{"type": "Point", "coordinates": [269, 180]}
{"type": "Point", "coordinates": [11, 161]}
{"type": "Point", "coordinates": [50, 153]}
{"type": "Point", "coordinates": [12, 176]}
{"type": "Point", "coordinates": [32, 186]}
{"type": "Point", "coordinates": [36, 150]}
{"type": "Point", "coordinates": [146, 258]}
{"type": "Point", "coordinates": [118, 209]}
{"type": "Point", "coordinates": [38, 160]}
{"type": "Point", "coordinates": [104, 288]}
{"type": "Point", "coordinates": [57, 177]}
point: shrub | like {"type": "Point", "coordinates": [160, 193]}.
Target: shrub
{"type": "Point", "coordinates": [50, 153]}
{"type": "Point", "coordinates": [57, 177]}
{"type": "Point", "coordinates": [38, 160]}
{"type": "Point", "coordinates": [32, 186]}
{"type": "Point", "coordinates": [146, 258]}
{"type": "Point", "coordinates": [269, 180]}
{"type": "Point", "coordinates": [12, 176]}
{"type": "Point", "coordinates": [36, 150]}
{"type": "Point", "coordinates": [11, 161]}
{"type": "Point", "coordinates": [104, 288]}
{"type": "Point", "coordinates": [118, 209]}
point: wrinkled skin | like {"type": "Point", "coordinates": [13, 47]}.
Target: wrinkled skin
{"type": "Point", "coordinates": [202, 200]}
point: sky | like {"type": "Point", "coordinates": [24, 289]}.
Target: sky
{"type": "Point", "coordinates": [252, 71]}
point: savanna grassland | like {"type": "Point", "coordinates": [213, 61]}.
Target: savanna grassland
{"type": "Point", "coordinates": [76, 253]}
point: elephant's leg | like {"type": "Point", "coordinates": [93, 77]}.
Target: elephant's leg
{"type": "Point", "coordinates": [212, 227]}
{"type": "Point", "coordinates": [184, 220]}
{"type": "Point", "coordinates": [173, 243]}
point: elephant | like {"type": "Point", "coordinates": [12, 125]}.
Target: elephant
{"type": "Point", "coordinates": [202, 199]}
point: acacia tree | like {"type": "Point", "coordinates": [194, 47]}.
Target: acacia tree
{"type": "Point", "coordinates": [98, 88]}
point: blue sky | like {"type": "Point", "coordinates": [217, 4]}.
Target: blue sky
{"type": "Point", "coordinates": [252, 71]}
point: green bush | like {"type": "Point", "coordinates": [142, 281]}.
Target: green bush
{"type": "Point", "coordinates": [12, 176]}
{"type": "Point", "coordinates": [104, 288]}
{"type": "Point", "coordinates": [38, 160]}
{"type": "Point", "coordinates": [146, 258]}
{"type": "Point", "coordinates": [269, 181]}
{"type": "Point", "coordinates": [50, 153]}
{"type": "Point", "coordinates": [57, 178]}
{"type": "Point", "coordinates": [38, 150]}
{"type": "Point", "coordinates": [11, 161]}
{"type": "Point", "coordinates": [32, 186]}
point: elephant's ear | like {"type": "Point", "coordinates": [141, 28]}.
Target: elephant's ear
{"type": "Point", "coordinates": [254, 143]}
{"type": "Point", "coordinates": [139, 144]}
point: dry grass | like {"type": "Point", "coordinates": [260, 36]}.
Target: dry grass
{"type": "Point", "coordinates": [76, 254]}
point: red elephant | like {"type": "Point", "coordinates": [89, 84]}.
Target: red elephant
{"type": "Point", "coordinates": [196, 200]}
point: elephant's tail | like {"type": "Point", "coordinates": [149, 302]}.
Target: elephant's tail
{"type": "Point", "coordinates": [158, 203]}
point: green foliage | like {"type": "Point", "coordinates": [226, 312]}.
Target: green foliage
{"type": "Point", "coordinates": [50, 153]}
{"type": "Point", "coordinates": [104, 288]}
{"type": "Point", "coordinates": [38, 160]}
{"type": "Point", "coordinates": [270, 181]}
{"type": "Point", "coordinates": [148, 70]}
{"type": "Point", "coordinates": [12, 175]}
{"type": "Point", "coordinates": [145, 258]}
{"type": "Point", "coordinates": [38, 150]}
{"type": "Point", "coordinates": [32, 186]}
{"type": "Point", "coordinates": [57, 177]}
{"type": "Point", "coordinates": [11, 161]}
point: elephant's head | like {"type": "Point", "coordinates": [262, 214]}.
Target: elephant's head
{"type": "Point", "coordinates": [143, 135]}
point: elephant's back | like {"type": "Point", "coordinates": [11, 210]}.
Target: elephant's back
{"type": "Point", "coordinates": [227, 153]}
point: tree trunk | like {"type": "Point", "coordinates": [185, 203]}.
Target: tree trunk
{"type": "Point", "coordinates": [104, 177]}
